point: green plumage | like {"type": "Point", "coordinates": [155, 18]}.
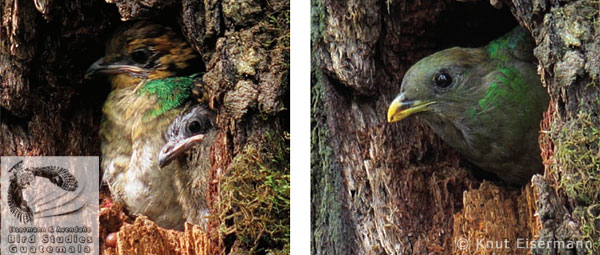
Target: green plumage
{"type": "Point", "coordinates": [509, 86]}
{"type": "Point", "coordinates": [170, 92]}
{"type": "Point", "coordinates": [487, 104]}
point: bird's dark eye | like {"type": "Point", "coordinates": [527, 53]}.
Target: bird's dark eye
{"type": "Point", "coordinates": [198, 127]}
{"type": "Point", "coordinates": [140, 56]}
{"type": "Point", "coordinates": [195, 127]}
{"type": "Point", "coordinates": [442, 80]}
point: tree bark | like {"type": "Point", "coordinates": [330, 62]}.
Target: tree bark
{"type": "Point", "coordinates": [47, 108]}
{"type": "Point", "coordinates": [398, 189]}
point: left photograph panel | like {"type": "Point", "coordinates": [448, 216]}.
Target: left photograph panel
{"type": "Point", "coordinates": [145, 127]}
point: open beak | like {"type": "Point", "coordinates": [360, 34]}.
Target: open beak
{"type": "Point", "coordinates": [401, 108]}
{"type": "Point", "coordinates": [100, 67]}
{"type": "Point", "coordinates": [175, 148]}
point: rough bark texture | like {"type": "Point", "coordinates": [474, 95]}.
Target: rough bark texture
{"type": "Point", "coordinates": [44, 52]}
{"type": "Point", "coordinates": [398, 189]}
{"type": "Point", "coordinates": [568, 198]}
{"type": "Point", "coordinates": [47, 108]}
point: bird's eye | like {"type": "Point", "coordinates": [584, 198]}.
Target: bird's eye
{"type": "Point", "coordinates": [140, 56]}
{"type": "Point", "coordinates": [195, 127]}
{"type": "Point", "coordinates": [198, 127]}
{"type": "Point", "coordinates": [442, 80]}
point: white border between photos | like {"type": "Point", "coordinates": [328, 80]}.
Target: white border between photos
{"type": "Point", "coordinates": [300, 127]}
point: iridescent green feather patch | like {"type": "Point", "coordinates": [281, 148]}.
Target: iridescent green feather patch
{"type": "Point", "coordinates": [498, 49]}
{"type": "Point", "coordinates": [510, 86]}
{"type": "Point", "coordinates": [170, 92]}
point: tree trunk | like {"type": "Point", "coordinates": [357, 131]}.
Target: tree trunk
{"type": "Point", "coordinates": [47, 108]}
{"type": "Point", "coordinates": [398, 189]}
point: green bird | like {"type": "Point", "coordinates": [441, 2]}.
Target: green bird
{"type": "Point", "coordinates": [487, 103]}
{"type": "Point", "coordinates": [150, 69]}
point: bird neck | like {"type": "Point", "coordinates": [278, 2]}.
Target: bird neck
{"type": "Point", "coordinates": [452, 131]}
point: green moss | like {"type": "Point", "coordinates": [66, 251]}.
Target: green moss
{"type": "Point", "coordinates": [279, 24]}
{"type": "Point", "coordinates": [594, 16]}
{"type": "Point", "coordinates": [589, 218]}
{"type": "Point", "coordinates": [318, 22]}
{"type": "Point", "coordinates": [254, 206]}
{"type": "Point", "coordinates": [577, 152]}
{"type": "Point", "coordinates": [327, 221]}
{"type": "Point", "coordinates": [331, 233]}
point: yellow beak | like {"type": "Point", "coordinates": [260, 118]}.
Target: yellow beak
{"type": "Point", "coordinates": [401, 108]}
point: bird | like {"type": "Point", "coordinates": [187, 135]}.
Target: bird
{"type": "Point", "coordinates": [188, 142]}
{"type": "Point", "coordinates": [20, 178]}
{"type": "Point", "coordinates": [486, 103]}
{"type": "Point", "coordinates": [153, 72]}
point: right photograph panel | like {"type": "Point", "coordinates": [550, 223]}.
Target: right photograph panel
{"type": "Point", "coordinates": [455, 127]}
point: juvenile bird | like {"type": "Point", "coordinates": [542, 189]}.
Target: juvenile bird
{"type": "Point", "coordinates": [148, 66]}
{"type": "Point", "coordinates": [487, 103]}
{"type": "Point", "coordinates": [189, 138]}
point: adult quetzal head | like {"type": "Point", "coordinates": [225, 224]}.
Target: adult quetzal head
{"type": "Point", "coordinates": [486, 103]}
{"type": "Point", "coordinates": [145, 51]}
{"type": "Point", "coordinates": [442, 85]}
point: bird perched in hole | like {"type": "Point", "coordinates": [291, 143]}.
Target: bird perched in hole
{"type": "Point", "coordinates": [149, 67]}
{"type": "Point", "coordinates": [187, 148]}
{"type": "Point", "coordinates": [487, 103]}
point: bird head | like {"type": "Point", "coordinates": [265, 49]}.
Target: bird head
{"type": "Point", "coordinates": [440, 85]}
{"type": "Point", "coordinates": [142, 51]}
{"type": "Point", "coordinates": [24, 178]}
{"type": "Point", "coordinates": [187, 130]}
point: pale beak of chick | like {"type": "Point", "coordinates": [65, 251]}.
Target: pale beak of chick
{"type": "Point", "coordinates": [401, 108]}
{"type": "Point", "coordinates": [173, 149]}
